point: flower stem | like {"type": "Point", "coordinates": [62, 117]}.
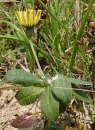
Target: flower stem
{"type": "Point", "coordinates": [37, 61]}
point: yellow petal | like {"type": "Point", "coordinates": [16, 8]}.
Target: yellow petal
{"type": "Point", "coordinates": [28, 18]}
{"type": "Point", "coordinates": [37, 17]}
{"type": "Point", "coordinates": [31, 17]}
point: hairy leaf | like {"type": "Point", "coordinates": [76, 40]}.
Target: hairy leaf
{"type": "Point", "coordinates": [22, 77]}
{"type": "Point", "coordinates": [53, 126]}
{"type": "Point", "coordinates": [62, 89]}
{"type": "Point", "coordinates": [78, 81]}
{"type": "Point", "coordinates": [50, 106]}
{"type": "Point", "coordinates": [28, 95]}
{"type": "Point", "coordinates": [82, 96]}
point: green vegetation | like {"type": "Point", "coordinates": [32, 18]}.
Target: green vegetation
{"type": "Point", "coordinates": [55, 50]}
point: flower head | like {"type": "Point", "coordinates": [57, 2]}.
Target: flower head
{"type": "Point", "coordinates": [28, 18]}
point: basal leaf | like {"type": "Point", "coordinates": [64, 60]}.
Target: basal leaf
{"type": "Point", "coordinates": [53, 126]}
{"type": "Point", "coordinates": [62, 89]}
{"type": "Point", "coordinates": [78, 81]}
{"type": "Point", "coordinates": [25, 120]}
{"type": "Point", "coordinates": [22, 77]}
{"type": "Point", "coordinates": [49, 105]}
{"type": "Point", "coordinates": [28, 95]}
{"type": "Point", "coordinates": [82, 96]}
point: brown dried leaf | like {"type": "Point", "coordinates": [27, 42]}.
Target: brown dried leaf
{"type": "Point", "coordinates": [24, 121]}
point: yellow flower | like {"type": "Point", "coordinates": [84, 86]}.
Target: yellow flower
{"type": "Point", "coordinates": [28, 18]}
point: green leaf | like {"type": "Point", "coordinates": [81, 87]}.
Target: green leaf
{"type": "Point", "coordinates": [26, 44]}
{"type": "Point", "coordinates": [53, 126]}
{"type": "Point", "coordinates": [78, 81]}
{"type": "Point", "coordinates": [80, 33]}
{"type": "Point", "coordinates": [14, 38]}
{"type": "Point", "coordinates": [48, 10]}
{"type": "Point", "coordinates": [20, 33]}
{"type": "Point", "coordinates": [22, 77]}
{"type": "Point", "coordinates": [28, 95]}
{"type": "Point", "coordinates": [81, 95]}
{"type": "Point", "coordinates": [62, 89]}
{"type": "Point", "coordinates": [49, 105]}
